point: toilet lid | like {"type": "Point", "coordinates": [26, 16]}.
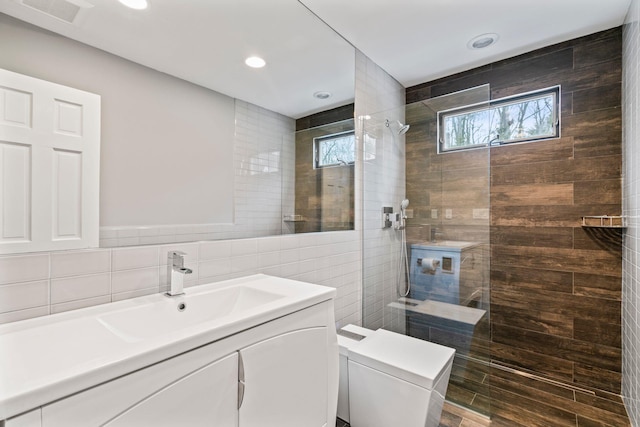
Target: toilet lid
{"type": "Point", "coordinates": [411, 359]}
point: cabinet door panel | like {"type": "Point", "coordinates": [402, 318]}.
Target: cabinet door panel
{"type": "Point", "coordinates": [30, 419]}
{"type": "Point", "coordinates": [103, 403]}
{"type": "Point", "coordinates": [205, 398]}
{"type": "Point", "coordinates": [285, 381]}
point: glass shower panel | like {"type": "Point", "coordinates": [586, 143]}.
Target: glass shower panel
{"type": "Point", "coordinates": [383, 178]}
{"type": "Point", "coordinates": [447, 241]}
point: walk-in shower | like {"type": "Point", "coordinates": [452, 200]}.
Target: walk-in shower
{"type": "Point", "coordinates": [442, 240]}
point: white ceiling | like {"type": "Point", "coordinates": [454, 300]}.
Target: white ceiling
{"type": "Point", "coordinates": [420, 40]}
{"type": "Point", "coordinates": [206, 41]}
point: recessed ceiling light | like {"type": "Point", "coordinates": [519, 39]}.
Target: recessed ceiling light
{"type": "Point", "coordinates": [255, 62]}
{"type": "Point", "coordinates": [135, 4]}
{"type": "Point", "coordinates": [482, 41]}
{"type": "Point", "coordinates": [322, 95]}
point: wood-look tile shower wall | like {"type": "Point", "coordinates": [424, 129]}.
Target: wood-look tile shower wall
{"type": "Point", "coordinates": [555, 287]}
{"type": "Point", "coordinates": [325, 196]}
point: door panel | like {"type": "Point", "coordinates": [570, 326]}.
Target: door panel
{"type": "Point", "coordinates": [49, 165]}
{"type": "Point", "coordinates": [285, 381]}
{"type": "Point", "coordinates": [106, 402]}
{"type": "Point", "coordinates": [205, 398]}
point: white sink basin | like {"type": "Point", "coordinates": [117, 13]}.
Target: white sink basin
{"type": "Point", "coordinates": [47, 358]}
{"type": "Point", "coordinates": [177, 313]}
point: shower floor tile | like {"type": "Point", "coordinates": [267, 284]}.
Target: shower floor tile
{"type": "Point", "coordinates": [452, 416]}
{"type": "Point", "coordinates": [513, 414]}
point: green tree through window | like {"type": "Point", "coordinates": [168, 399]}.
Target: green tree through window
{"type": "Point", "coordinates": [336, 149]}
{"type": "Point", "coordinates": [515, 119]}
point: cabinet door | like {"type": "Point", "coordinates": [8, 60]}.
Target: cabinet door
{"type": "Point", "coordinates": [205, 398]}
{"type": "Point", "coordinates": [49, 165]}
{"type": "Point", "coordinates": [30, 419]}
{"type": "Point", "coordinates": [189, 373]}
{"type": "Point", "coordinates": [285, 381]}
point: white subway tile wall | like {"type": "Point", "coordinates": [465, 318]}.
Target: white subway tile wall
{"type": "Point", "coordinates": [25, 268]}
{"type": "Point", "coordinates": [22, 296]}
{"type": "Point", "coordinates": [47, 283]}
{"type": "Point", "coordinates": [145, 280]}
{"type": "Point", "coordinates": [80, 287]}
{"type": "Point", "coordinates": [65, 264]}
{"type": "Point", "coordinates": [131, 258]}
{"type": "Point", "coordinates": [631, 209]}
{"type": "Point", "coordinates": [264, 183]}
{"type": "Point", "coordinates": [382, 181]}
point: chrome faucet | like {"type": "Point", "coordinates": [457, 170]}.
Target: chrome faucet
{"type": "Point", "coordinates": [175, 273]}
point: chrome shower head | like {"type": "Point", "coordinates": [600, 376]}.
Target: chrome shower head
{"type": "Point", "coordinates": [402, 128]}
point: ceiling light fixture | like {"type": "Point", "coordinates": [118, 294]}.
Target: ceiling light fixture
{"type": "Point", "coordinates": [255, 62]}
{"type": "Point", "coordinates": [322, 95]}
{"type": "Point", "coordinates": [135, 4]}
{"type": "Point", "coordinates": [482, 41]}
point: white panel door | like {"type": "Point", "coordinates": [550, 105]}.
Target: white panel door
{"type": "Point", "coordinates": [49, 165]}
{"type": "Point", "coordinates": [285, 381]}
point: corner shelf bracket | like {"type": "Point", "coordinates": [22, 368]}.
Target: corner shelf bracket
{"type": "Point", "coordinates": [604, 221]}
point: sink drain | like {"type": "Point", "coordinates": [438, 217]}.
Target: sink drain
{"type": "Point", "coordinates": [182, 306]}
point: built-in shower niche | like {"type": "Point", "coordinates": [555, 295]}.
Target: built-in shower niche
{"type": "Point", "coordinates": [324, 189]}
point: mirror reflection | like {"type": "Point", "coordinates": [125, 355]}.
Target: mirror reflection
{"type": "Point", "coordinates": [325, 163]}
{"type": "Point", "coordinates": [195, 145]}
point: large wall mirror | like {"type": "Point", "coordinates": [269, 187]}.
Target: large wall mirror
{"type": "Point", "coordinates": [196, 145]}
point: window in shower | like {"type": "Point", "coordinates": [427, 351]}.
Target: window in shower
{"type": "Point", "coordinates": [522, 118]}
{"type": "Point", "coordinates": [334, 150]}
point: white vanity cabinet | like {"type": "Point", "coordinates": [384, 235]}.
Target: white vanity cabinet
{"type": "Point", "coordinates": [270, 359]}
{"type": "Point", "coordinates": [276, 374]}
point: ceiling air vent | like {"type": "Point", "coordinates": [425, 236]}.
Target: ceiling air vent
{"type": "Point", "coordinates": [64, 10]}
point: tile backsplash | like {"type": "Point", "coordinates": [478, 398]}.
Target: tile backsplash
{"type": "Point", "coordinates": [35, 285]}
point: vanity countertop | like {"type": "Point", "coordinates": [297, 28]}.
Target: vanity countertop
{"type": "Point", "coordinates": [47, 358]}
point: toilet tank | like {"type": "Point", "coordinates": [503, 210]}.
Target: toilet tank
{"type": "Point", "coordinates": [395, 379]}
{"type": "Point", "coordinates": [388, 378]}
{"type": "Point", "coordinates": [348, 338]}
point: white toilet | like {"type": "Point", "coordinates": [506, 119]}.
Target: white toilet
{"type": "Point", "coordinates": [389, 379]}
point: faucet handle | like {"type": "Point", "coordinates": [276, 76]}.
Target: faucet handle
{"type": "Point", "coordinates": [176, 258]}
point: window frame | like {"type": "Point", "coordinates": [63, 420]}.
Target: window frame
{"type": "Point", "coordinates": [554, 91]}
{"type": "Point", "coordinates": [318, 140]}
